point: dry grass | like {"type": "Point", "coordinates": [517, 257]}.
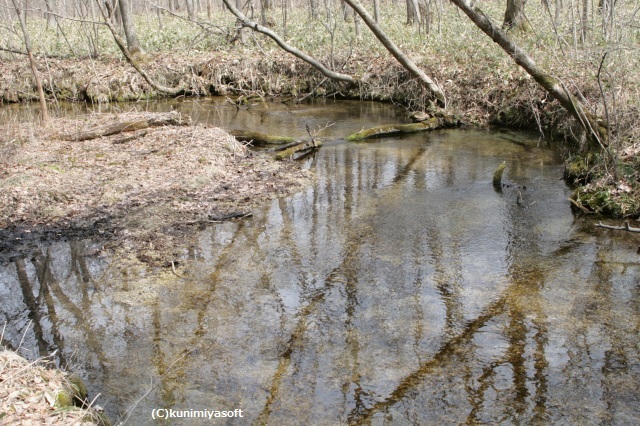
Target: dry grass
{"type": "Point", "coordinates": [147, 190]}
{"type": "Point", "coordinates": [29, 394]}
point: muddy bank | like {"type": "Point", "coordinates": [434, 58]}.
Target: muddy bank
{"type": "Point", "coordinates": [476, 92]}
{"type": "Point", "coordinates": [143, 191]}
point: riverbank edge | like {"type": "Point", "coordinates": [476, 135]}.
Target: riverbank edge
{"type": "Point", "coordinates": [36, 392]}
{"type": "Point", "coordinates": [499, 93]}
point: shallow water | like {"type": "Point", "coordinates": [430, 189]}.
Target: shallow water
{"type": "Point", "coordinates": [400, 288]}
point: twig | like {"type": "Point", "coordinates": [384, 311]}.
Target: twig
{"type": "Point", "coordinates": [125, 417]}
{"type": "Point", "coordinates": [626, 227]}
{"type": "Point", "coordinates": [17, 52]}
{"type": "Point", "coordinates": [4, 327]}
{"type": "Point", "coordinates": [581, 207]}
{"type": "Point", "coordinates": [313, 140]}
{"type": "Point", "coordinates": [173, 269]}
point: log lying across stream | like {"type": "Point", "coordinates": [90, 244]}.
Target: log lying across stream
{"type": "Point", "coordinates": [260, 139]}
{"type": "Point", "coordinates": [172, 118]}
{"type": "Point", "coordinates": [395, 129]}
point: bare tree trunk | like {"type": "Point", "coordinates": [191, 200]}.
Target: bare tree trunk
{"type": "Point", "coordinates": [584, 21]}
{"type": "Point", "coordinates": [413, 12]}
{"type": "Point", "coordinates": [133, 44]}
{"type": "Point", "coordinates": [44, 112]}
{"type": "Point", "coordinates": [132, 60]}
{"type": "Point", "coordinates": [191, 10]}
{"type": "Point", "coordinates": [159, 15]}
{"type": "Point", "coordinates": [376, 11]}
{"type": "Point", "coordinates": [514, 17]}
{"type": "Point", "coordinates": [51, 19]}
{"type": "Point", "coordinates": [313, 9]}
{"type": "Point", "coordinates": [552, 85]}
{"type": "Point", "coordinates": [356, 24]}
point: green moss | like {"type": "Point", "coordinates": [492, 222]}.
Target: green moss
{"type": "Point", "coordinates": [393, 129]}
{"type": "Point", "coordinates": [74, 394]}
{"type": "Point", "coordinates": [605, 201]}
{"type": "Point", "coordinates": [577, 170]}
{"type": "Point", "coordinates": [258, 138]}
{"type": "Point", "coordinates": [64, 399]}
{"type": "Point", "coordinates": [497, 175]}
{"type": "Point", "coordinates": [78, 387]}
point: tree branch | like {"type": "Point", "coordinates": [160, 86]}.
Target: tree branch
{"type": "Point", "coordinates": [246, 22]}
{"type": "Point", "coordinates": [552, 85]}
{"type": "Point", "coordinates": [626, 227]}
{"type": "Point", "coordinates": [403, 59]}
{"type": "Point", "coordinates": [129, 57]}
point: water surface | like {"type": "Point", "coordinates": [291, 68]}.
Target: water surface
{"type": "Point", "coordinates": [400, 288]}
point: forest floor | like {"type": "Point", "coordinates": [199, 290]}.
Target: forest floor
{"type": "Point", "coordinates": [143, 191]}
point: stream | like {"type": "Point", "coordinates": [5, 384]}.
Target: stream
{"type": "Point", "coordinates": [399, 288]}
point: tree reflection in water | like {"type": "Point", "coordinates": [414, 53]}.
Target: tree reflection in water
{"type": "Point", "coordinates": [400, 288]}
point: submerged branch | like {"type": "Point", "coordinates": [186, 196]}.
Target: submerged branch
{"type": "Point", "coordinates": [626, 227]}
{"type": "Point", "coordinates": [303, 147]}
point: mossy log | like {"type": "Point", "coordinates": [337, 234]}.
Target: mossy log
{"type": "Point", "coordinates": [169, 119]}
{"type": "Point", "coordinates": [298, 150]}
{"type": "Point", "coordinates": [497, 175]}
{"type": "Point", "coordinates": [395, 129]}
{"type": "Point", "coordinates": [260, 139]}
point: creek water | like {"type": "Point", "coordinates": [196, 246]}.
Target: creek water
{"type": "Point", "coordinates": [399, 288]}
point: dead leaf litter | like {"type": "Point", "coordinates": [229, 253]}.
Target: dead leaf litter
{"type": "Point", "coordinates": [148, 186]}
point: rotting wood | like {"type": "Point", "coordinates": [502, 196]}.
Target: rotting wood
{"type": "Point", "coordinates": [301, 148]}
{"type": "Point", "coordinates": [394, 129]}
{"type": "Point", "coordinates": [169, 119]}
{"type": "Point", "coordinates": [497, 176]}
{"type": "Point", "coordinates": [283, 147]}
{"type": "Point", "coordinates": [260, 139]}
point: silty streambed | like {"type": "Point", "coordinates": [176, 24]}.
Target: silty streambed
{"type": "Point", "coordinates": [400, 288]}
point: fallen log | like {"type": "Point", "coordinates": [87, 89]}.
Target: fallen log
{"type": "Point", "coordinates": [298, 150]}
{"type": "Point", "coordinates": [395, 129]}
{"type": "Point", "coordinates": [260, 139]}
{"type": "Point", "coordinates": [169, 119]}
{"type": "Point", "coordinates": [137, 135]}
